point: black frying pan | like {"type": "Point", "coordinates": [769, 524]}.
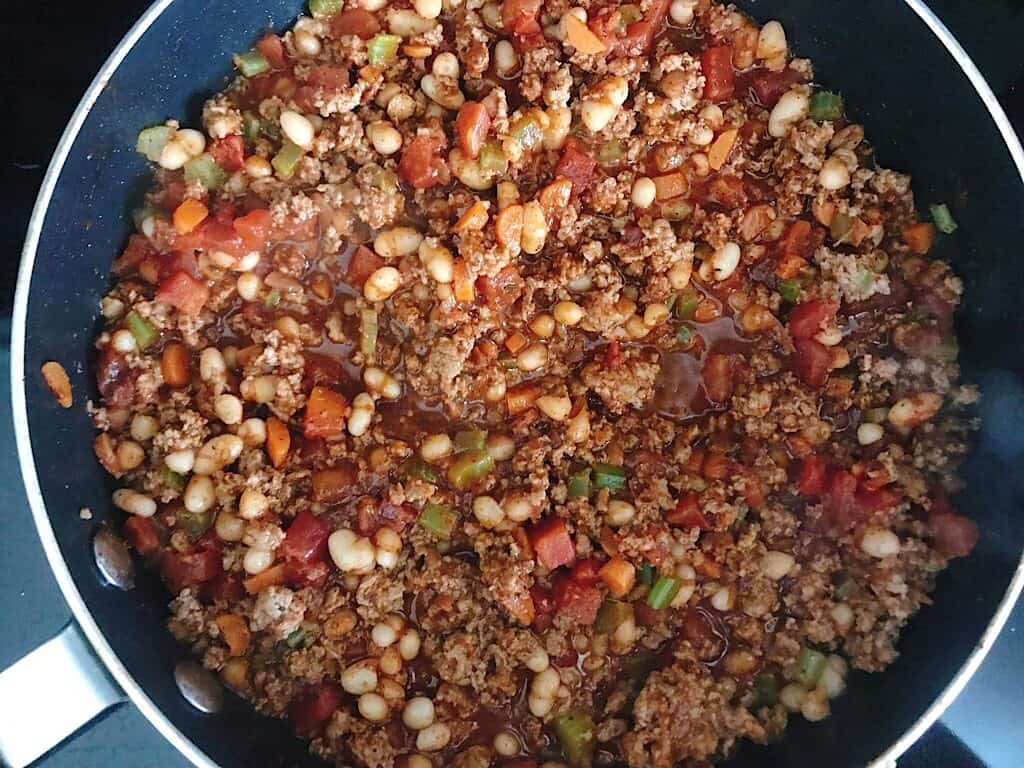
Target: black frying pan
{"type": "Point", "coordinates": [927, 110]}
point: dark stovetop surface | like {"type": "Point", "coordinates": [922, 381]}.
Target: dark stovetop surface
{"type": "Point", "coordinates": [53, 49]}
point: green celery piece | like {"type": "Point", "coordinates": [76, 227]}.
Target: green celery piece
{"type": "Point", "coordinates": [469, 468]}
{"type": "Point", "coordinates": [684, 335]}
{"type": "Point", "coordinates": [943, 219]}
{"type": "Point", "coordinates": [439, 519]}
{"type": "Point", "coordinates": [790, 291]}
{"type": "Point", "coordinates": [611, 152]}
{"type": "Point", "coordinates": [273, 299]}
{"type": "Point", "coordinates": [575, 732]}
{"type": "Point", "coordinates": [609, 476]}
{"type": "Point", "coordinates": [579, 484]}
{"type": "Point", "coordinates": [195, 524]}
{"type": "Point", "coordinates": [662, 593]}
{"type": "Point", "coordinates": [646, 574]}
{"type": "Point", "coordinates": [322, 8]}
{"type": "Point", "coordinates": [287, 159]}
{"type": "Point", "coordinates": [205, 171]}
{"type": "Point", "coordinates": [470, 440]}
{"type": "Point", "coordinates": [251, 127]}
{"type": "Point", "coordinates": [826, 105]}
{"type": "Point", "coordinates": [810, 664]}
{"type": "Point", "coordinates": [368, 332]}
{"type": "Point", "coordinates": [382, 48]}
{"type": "Point", "coordinates": [686, 304]}
{"type": "Point", "coordinates": [151, 141]}
{"type": "Point", "coordinates": [251, 63]}
{"type": "Point", "coordinates": [143, 331]}
{"type": "Point", "coordinates": [418, 468]}
{"type": "Point", "coordinates": [173, 479]}
{"type": "Point", "coordinates": [766, 691]}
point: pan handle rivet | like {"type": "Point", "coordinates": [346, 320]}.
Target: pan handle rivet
{"type": "Point", "coordinates": [199, 687]}
{"type": "Point", "coordinates": [113, 560]}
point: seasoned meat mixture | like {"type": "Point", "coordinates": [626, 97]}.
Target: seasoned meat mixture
{"type": "Point", "coordinates": [526, 384]}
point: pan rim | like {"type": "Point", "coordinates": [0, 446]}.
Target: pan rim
{"type": "Point", "coordinates": [47, 536]}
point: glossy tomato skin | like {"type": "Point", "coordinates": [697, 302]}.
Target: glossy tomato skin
{"type": "Point", "coordinates": [420, 164]}
{"type": "Point", "coordinates": [811, 362]}
{"type": "Point", "coordinates": [471, 127]}
{"type": "Point", "coordinates": [813, 476]}
{"type": "Point", "coordinates": [180, 570]}
{"type": "Point", "coordinates": [577, 600]}
{"type": "Point", "coordinates": [806, 319]}
{"type": "Point", "coordinates": [306, 539]}
{"type": "Point", "coordinates": [576, 166]}
{"type": "Point", "coordinates": [501, 291]}
{"type": "Point", "coordinates": [719, 76]}
{"type": "Point", "coordinates": [183, 291]}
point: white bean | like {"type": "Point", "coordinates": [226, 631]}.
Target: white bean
{"type": "Point", "coordinates": [211, 365]}
{"type": "Point", "coordinates": [199, 494]}
{"type": "Point", "coordinates": [380, 382]}
{"type": "Point", "coordinates": [597, 113]}
{"type": "Point", "coordinates": [418, 713]}
{"type": "Point", "coordinates": [228, 408]}
{"type": "Point", "coordinates": [488, 511]}
{"type": "Point", "coordinates": [868, 433]}
{"type": "Point", "coordinates": [382, 283]}
{"type": "Point", "coordinates": [433, 738]}
{"type": "Point", "coordinates": [351, 553]}
{"type": "Point", "coordinates": [257, 560]}
{"type": "Point", "coordinates": [297, 128]}
{"type": "Point", "coordinates": [790, 110]}
{"type": "Point", "coordinates": [361, 415]}
{"type": "Point", "coordinates": [385, 137]}
{"type": "Point", "coordinates": [880, 543]}
{"type": "Point", "coordinates": [435, 447]}
{"type": "Point", "coordinates": [253, 432]}
{"type": "Point", "coordinates": [144, 427]}
{"type": "Point", "coordinates": [373, 707]}
{"type": "Point", "coordinates": [506, 60]}
{"type": "Point", "coordinates": [181, 461]}
{"type": "Point", "coordinates": [771, 41]}
{"type": "Point", "coordinates": [725, 260]}
{"type": "Point", "coordinates": [644, 192]}
{"type": "Point", "coordinates": [556, 408]}
{"type": "Point", "coordinates": [134, 503]}
{"type": "Point", "coordinates": [129, 454]}
{"type": "Point", "coordinates": [397, 242]}
{"type": "Point", "coordinates": [776, 565]}
{"type": "Point", "coordinates": [358, 679]}
{"type": "Point", "coordinates": [409, 644]}
{"type": "Point", "coordinates": [834, 174]}
{"type": "Point", "coordinates": [217, 453]}
{"type": "Point", "coordinates": [229, 527]}
{"type": "Point", "coordinates": [253, 504]}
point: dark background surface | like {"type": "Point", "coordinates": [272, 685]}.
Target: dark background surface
{"type": "Point", "coordinates": [52, 52]}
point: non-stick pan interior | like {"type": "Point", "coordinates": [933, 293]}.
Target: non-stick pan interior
{"type": "Point", "coordinates": [921, 113]}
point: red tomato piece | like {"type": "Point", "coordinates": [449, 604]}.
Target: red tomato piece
{"type": "Point", "coordinates": [551, 543]}
{"type": "Point", "coordinates": [305, 541]}
{"type": "Point", "coordinates": [223, 588]}
{"type": "Point", "coordinates": [719, 76]}
{"type": "Point", "coordinates": [639, 35]}
{"type": "Point", "coordinates": [328, 78]}
{"type": "Point", "coordinates": [520, 16]}
{"type": "Point", "coordinates": [183, 291]}
{"type": "Point", "coordinates": [769, 86]}
{"type": "Point", "coordinates": [142, 535]}
{"type": "Point", "coordinates": [363, 263]}
{"type": "Point", "coordinates": [586, 571]}
{"type": "Point", "coordinates": [471, 126]}
{"type": "Point", "coordinates": [502, 290]}
{"type": "Point", "coordinates": [613, 355]}
{"type": "Point", "coordinates": [419, 165]}
{"type": "Point", "coordinates": [873, 500]}
{"type": "Point", "coordinates": [229, 152]}
{"type": "Point", "coordinates": [688, 514]}
{"type": "Point", "coordinates": [576, 166]}
{"type": "Point", "coordinates": [312, 708]}
{"type": "Point", "coordinates": [355, 21]}
{"type": "Point", "coordinates": [953, 535]}
{"type": "Point", "coordinates": [806, 319]}
{"type": "Point", "coordinates": [840, 501]}
{"type": "Point", "coordinates": [189, 570]}
{"type": "Point", "coordinates": [254, 228]}
{"type": "Point", "coordinates": [579, 601]}
{"type": "Point", "coordinates": [811, 362]}
{"type": "Point", "coordinates": [272, 49]}
{"type": "Point", "coordinates": [813, 476]}
{"type": "Point", "coordinates": [138, 250]}
{"type": "Point", "coordinates": [372, 515]}
{"type": "Point", "coordinates": [325, 413]}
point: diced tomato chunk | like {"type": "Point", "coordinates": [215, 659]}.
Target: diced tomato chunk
{"type": "Point", "coordinates": [471, 126]}
{"type": "Point", "coordinates": [183, 291]}
{"type": "Point", "coordinates": [813, 476]}
{"type": "Point", "coordinates": [355, 21]}
{"type": "Point", "coordinates": [872, 500]}
{"type": "Point", "coordinates": [800, 240]}
{"type": "Point", "coordinates": [688, 514]}
{"type": "Point", "coordinates": [254, 228]}
{"type": "Point", "coordinates": [363, 263]}
{"type": "Point", "coordinates": [811, 362]}
{"type": "Point", "coordinates": [420, 164]}
{"type": "Point", "coordinates": [953, 535]}
{"type": "Point", "coordinates": [577, 600]}
{"type": "Point", "coordinates": [839, 501]}
{"type": "Point", "coordinates": [576, 166]}
{"type": "Point", "coordinates": [229, 152]}
{"type": "Point", "coordinates": [223, 588]}
{"type": "Point", "coordinates": [719, 76]}
{"type": "Point", "coordinates": [586, 571]}
{"type": "Point", "coordinates": [769, 86]}
{"type": "Point", "coordinates": [180, 570]}
{"type": "Point", "coordinates": [806, 319]}
{"type": "Point", "coordinates": [502, 290]}
{"type": "Point", "coordinates": [272, 49]}
{"type": "Point", "coordinates": [372, 515]}
{"type": "Point", "coordinates": [312, 708]}
{"type": "Point", "coordinates": [325, 413]}
{"type": "Point", "coordinates": [305, 541]}
{"type": "Point", "coordinates": [520, 16]}
{"type": "Point", "coordinates": [142, 535]}
{"type": "Point", "coordinates": [639, 35]}
{"type": "Point", "coordinates": [551, 543]}
{"type": "Point", "coordinates": [613, 355]}
{"type": "Point", "coordinates": [329, 79]}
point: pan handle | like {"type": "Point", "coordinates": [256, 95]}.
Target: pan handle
{"type": "Point", "coordinates": [49, 694]}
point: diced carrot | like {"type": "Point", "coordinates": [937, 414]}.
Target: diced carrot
{"type": "Point", "coordinates": [189, 215]}
{"type": "Point", "coordinates": [174, 365]}
{"type": "Point", "coordinates": [331, 485]}
{"type": "Point", "coordinates": [471, 127]}
{"type": "Point", "coordinates": [325, 413]}
{"type": "Point", "coordinates": [790, 265]}
{"type": "Point", "coordinates": [552, 543]}
{"type": "Point", "coordinates": [508, 226]}
{"type": "Point", "coordinates": [919, 237]}
{"type": "Point", "coordinates": [520, 606]}
{"type": "Point", "coordinates": [581, 37]}
{"type": "Point", "coordinates": [235, 632]}
{"type": "Point", "coordinates": [279, 440]}
{"type": "Point", "coordinates": [521, 398]}
{"type": "Point", "coordinates": [274, 576]}
{"type": "Point", "coordinates": [515, 342]}
{"type": "Point", "coordinates": [670, 185]}
{"type": "Point", "coordinates": [720, 149]}
{"type": "Point", "coordinates": [618, 575]}
{"type": "Point", "coordinates": [465, 289]}
{"type": "Point", "coordinates": [474, 218]}
{"type": "Point", "coordinates": [555, 196]}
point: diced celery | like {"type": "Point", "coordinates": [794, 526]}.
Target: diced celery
{"type": "Point", "coordinates": [287, 159]}
{"type": "Point", "coordinates": [273, 299]}
{"type": "Point", "coordinates": [863, 279]}
{"type": "Point", "coordinates": [439, 519]}
{"type": "Point", "coordinates": [195, 524]}
{"type": "Point", "coordinates": [173, 479]}
{"type": "Point", "coordinates": [492, 158]}
{"type": "Point", "coordinates": [609, 476]}
{"type": "Point", "coordinates": [876, 415]}
{"type": "Point", "coordinates": [766, 691]}
{"type": "Point", "coordinates": [611, 152]}
{"type": "Point", "coordinates": [825, 105]}
{"type": "Point", "coordinates": [646, 574]}
{"type": "Point", "coordinates": [579, 484]}
{"type": "Point", "coordinates": [321, 8]}
{"type": "Point", "coordinates": [205, 171]}
{"type": "Point", "coordinates": [368, 332]}
{"type": "Point", "coordinates": [663, 592]}
{"type": "Point", "coordinates": [809, 667]}
{"type": "Point", "coordinates": [789, 290]}
{"type": "Point", "coordinates": [151, 141]}
{"type": "Point", "coordinates": [145, 334]}
{"type": "Point", "coordinates": [251, 127]}
{"type": "Point", "coordinates": [417, 467]}
{"type": "Point", "coordinates": [575, 731]}
{"type": "Point", "coordinates": [296, 638]}
{"type": "Point", "coordinates": [685, 335]}
{"type": "Point", "coordinates": [251, 63]}
{"type": "Point", "coordinates": [943, 219]}
{"type": "Point", "coordinates": [470, 468]}
{"type": "Point", "coordinates": [470, 440]}
{"type": "Point", "coordinates": [382, 48]}
{"type": "Point", "coordinates": [686, 304]}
